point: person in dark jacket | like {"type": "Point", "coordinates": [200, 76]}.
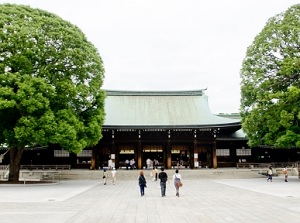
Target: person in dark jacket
{"type": "Point", "coordinates": [142, 183]}
{"type": "Point", "coordinates": [163, 176]}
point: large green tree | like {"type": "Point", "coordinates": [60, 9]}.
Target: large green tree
{"type": "Point", "coordinates": [270, 94]}
{"type": "Point", "coordinates": [50, 84]}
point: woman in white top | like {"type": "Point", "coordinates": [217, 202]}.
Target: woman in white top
{"type": "Point", "coordinates": [113, 175]}
{"type": "Point", "coordinates": [177, 178]}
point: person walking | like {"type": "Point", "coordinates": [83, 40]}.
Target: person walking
{"type": "Point", "coordinates": [285, 172]}
{"type": "Point", "coordinates": [177, 163]}
{"type": "Point", "coordinates": [156, 174]}
{"type": "Point", "coordinates": [104, 176]}
{"type": "Point", "coordinates": [127, 163]}
{"type": "Point", "coordinates": [113, 175]}
{"type": "Point", "coordinates": [163, 176]}
{"type": "Point", "coordinates": [142, 183]}
{"type": "Point", "coordinates": [270, 174]}
{"type": "Point", "coordinates": [177, 179]}
{"type": "Point", "coordinates": [148, 162]}
{"type": "Point", "coordinates": [110, 164]}
{"type": "Point", "coordinates": [133, 164]}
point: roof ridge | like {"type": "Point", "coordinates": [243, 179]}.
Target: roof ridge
{"type": "Point", "coordinates": [199, 92]}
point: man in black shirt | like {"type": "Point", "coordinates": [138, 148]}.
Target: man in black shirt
{"type": "Point", "coordinates": [163, 180]}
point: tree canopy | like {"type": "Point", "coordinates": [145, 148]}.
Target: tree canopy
{"type": "Point", "coordinates": [50, 81]}
{"type": "Point", "coordinates": [270, 93]}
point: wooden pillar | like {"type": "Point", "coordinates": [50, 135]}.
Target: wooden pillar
{"type": "Point", "coordinates": [194, 159]}
{"type": "Point", "coordinates": [139, 155]}
{"type": "Point", "coordinates": [117, 161]}
{"type": "Point", "coordinates": [214, 154]}
{"type": "Point", "coordinates": [112, 151]}
{"type": "Point", "coordinates": [93, 159]}
{"type": "Point", "coordinates": [168, 155]}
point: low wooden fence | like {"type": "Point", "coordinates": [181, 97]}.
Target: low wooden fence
{"type": "Point", "coordinates": [266, 165]}
{"type": "Point", "coordinates": [45, 167]}
{"type": "Point", "coordinates": [253, 165]}
{"type": "Point", "coordinates": [4, 167]}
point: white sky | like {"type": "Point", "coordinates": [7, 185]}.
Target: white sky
{"type": "Point", "coordinates": [170, 44]}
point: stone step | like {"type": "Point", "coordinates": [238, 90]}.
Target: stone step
{"type": "Point", "coordinates": [186, 174]}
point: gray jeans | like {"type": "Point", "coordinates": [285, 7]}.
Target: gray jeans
{"type": "Point", "coordinates": [163, 188]}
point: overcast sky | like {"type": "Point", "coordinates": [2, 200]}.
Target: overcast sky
{"type": "Point", "coordinates": [170, 44]}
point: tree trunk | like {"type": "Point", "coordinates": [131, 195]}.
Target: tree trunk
{"type": "Point", "coordinates": [15, 155]}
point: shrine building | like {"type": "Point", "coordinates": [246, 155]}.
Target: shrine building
{"type": "Point", "coordinates": [169, 126]}
{"type": "Point", "coordinates": [172, 127]}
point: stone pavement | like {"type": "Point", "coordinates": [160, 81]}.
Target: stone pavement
{"type": "Point", "coordinates": [201, 200]}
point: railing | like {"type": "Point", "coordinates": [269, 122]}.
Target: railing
{"type": "Point", "coordinates": [253, 165]}
{"type": "Point", "coordinates": [286, 164]}
{"type": "Point", "coordinates": [45, 167]}
{"type": "Point", "coordinates": [39, 175]}
{"type": "Point", "coordinates": [266, 165]}
{"type": "Point", "coordinates": [4, 167]}
{"type": "Point", "coordinates": [5, 172]}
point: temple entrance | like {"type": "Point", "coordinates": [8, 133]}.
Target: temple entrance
{"type": "Point", "coordinates": [155, 154]}
{"type": "Point", "coordinates": [180, 156]}
{"type": "Point", "coordinates": [204, 157]}
{"type": "Point", "coordinates": [126, 154]}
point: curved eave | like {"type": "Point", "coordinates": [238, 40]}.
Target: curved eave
{"type": "Point", "coordinates": [237, 135]}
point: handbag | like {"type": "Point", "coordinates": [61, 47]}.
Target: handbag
{"type": "Point", "coordinates": [179, 183]}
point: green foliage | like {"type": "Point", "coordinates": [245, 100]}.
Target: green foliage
{"type": "Point", "coordinates": [50, 81]}
{"type": "Point", "coordinates": [270, 86]}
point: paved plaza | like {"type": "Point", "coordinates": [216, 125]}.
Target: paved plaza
{"type": "Point", "coordinates": [203, 200]}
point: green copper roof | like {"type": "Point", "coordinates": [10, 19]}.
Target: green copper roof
{"type": "Point", "coordinates": [161, 108]}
